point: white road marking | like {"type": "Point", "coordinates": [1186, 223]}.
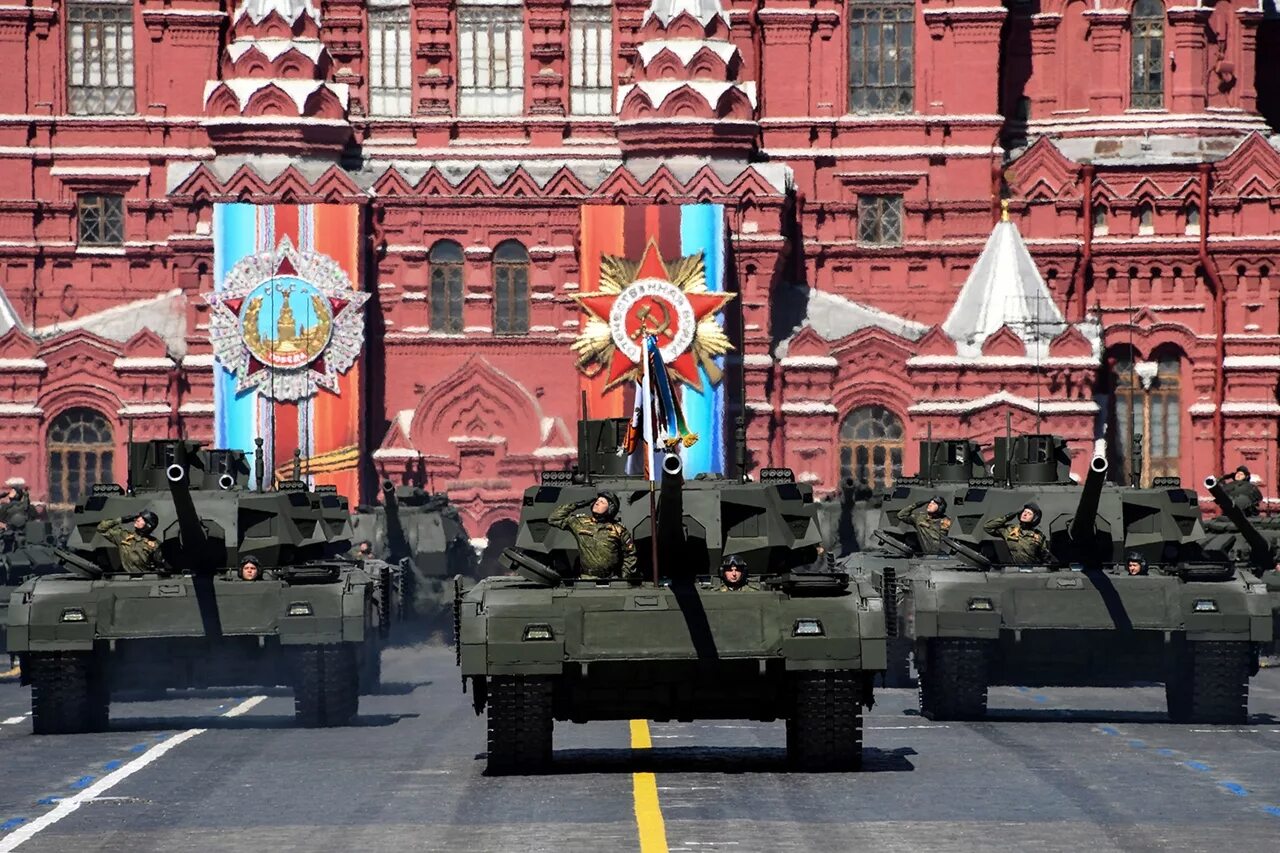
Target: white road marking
{"type": "Point", "coordinates": [27, 831]}
{"type": "Point", "coordinates": [13, 721]}
{"type": "Point", "coordinates": [899, 728]}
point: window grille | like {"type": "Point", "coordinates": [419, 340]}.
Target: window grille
{"type": "Point", "coordinates": [81, 453]}
{"type": "Point", "coordinates": [100, 220]}
{"type": "Point", "coordinates": [390, 63]}
{"type": "Point", "coordinates": [1147, 27]}
{"type": "Point", "coordinates": [591, 60]}
{"type": "Point", "coordinates": [490, 61]}
{"type": "Point", "coordinates": [871, 447]}
{"type": "Point", "coordinates": [100, 58]}
{"type": "Point", "coordinates": [510, 289]}
{"type": "Point", "coordinates": [446, 262]}
{"type": "Point", "coordinates": [881, 57]}
{"type": "Point", "coordinates": [880, 220]}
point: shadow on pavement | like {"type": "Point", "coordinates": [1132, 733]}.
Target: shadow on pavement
{"type": "Point", "coordinates": [400, 688]}
{"type": "Point", "coordinates": [249, 721]}
{"type": "Point", "coordinates": [708, 759]}
{"type": "Point", "coordinates": [1096, 715]}
{"type": "Point", "coordinates": [170, 695]}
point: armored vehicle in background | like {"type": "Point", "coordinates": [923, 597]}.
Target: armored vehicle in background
{"type": "Point", "coordinates": [1255, 543]}
{"type": "Point", "coordinates": [420, 535]}
{"type": "Point", "coordinates": [187, 619]}
{"type": "Point", "coordinates": [799, 642]}
{"type": "Point", "coordinates": [22, 558]}
{"type": "Point", "coordinates": [1191, 620]}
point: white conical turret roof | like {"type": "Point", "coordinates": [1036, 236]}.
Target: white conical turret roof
{"type": "Point", "coordinates": [1004, 288]}
{"type": "Point", "coordinates": [702, 10]}
{"type": "Point", "coordinates": [8, 316]}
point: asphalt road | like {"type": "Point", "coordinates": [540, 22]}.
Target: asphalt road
{"type": "Point", "coordinates": [1050, 770]}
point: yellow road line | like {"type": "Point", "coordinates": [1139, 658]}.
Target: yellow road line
{"type": "Point", "coordinates": [653, 831]}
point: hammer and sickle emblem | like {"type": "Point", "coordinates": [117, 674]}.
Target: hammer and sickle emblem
{"type": "Point", "coordinates": [662, 327]}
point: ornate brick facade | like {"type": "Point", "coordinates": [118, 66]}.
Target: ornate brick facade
{"type": "Point", "coordinates": [858, 211]}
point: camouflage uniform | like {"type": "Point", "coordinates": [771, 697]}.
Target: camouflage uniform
{"type": "Point", "coordinates": [929, 529]}
{"type": "Point", "coordinates": [605, 548]}
{"type": "Point", "coordinates": [1027, 546]}
{"type": "Point", "coordinates": [14, 514]}
{"type": "Point", "coordinates": [139, 553]}
{"type": "Point", "coordinates": [1243, 493]}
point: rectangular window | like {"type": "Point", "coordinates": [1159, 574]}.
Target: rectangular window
{"type": "Point", "coordinates": [591, 60]}
{"type": "Point", "coordinates": [881, 66]}
{"type": "Point", "coordinates": [490, 61]}
{"type": "Point", "coordinates": [101, 220]}
{"type": "Point", "coordinates": [100, 58]}
{"type": "Point", "coordinates": [390, 63]}
{"type": "Point", "coordinates": [880, 220]}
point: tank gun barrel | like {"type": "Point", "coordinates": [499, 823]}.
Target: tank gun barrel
{"type": "Point", "coordinates": [1084, 522]}
{"type": "Point", "coordinates": [670, 521]}
{"type": "Point", "coordinates": [191, 532]}
{"type": "Point", "coordinates": [397, 541]}
{"type": "Point", "coordinates": [1260, 550]}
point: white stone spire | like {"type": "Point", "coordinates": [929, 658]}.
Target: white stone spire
{"type": "Point", "coordinates": [8, 316]}
{"type": "Point", "coordinates": [289, 10]}
{"type": "Point", "coordinates": [702, 10]}
{"type": "Point", "coordinates": [1004, 288]}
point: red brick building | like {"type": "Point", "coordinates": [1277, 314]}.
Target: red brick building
{"type": "Point", "coordinates": [861, 150]}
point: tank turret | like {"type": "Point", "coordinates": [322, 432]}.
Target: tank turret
{"type": "Point", "coordinates": [1034, 459]}
{"type": "Point", "coordinates": [1259, 551]}
{"type": "Point", "coordinates": [397, 544]}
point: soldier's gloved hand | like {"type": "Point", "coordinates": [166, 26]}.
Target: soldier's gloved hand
{"type": "Point", "coordinates": [585, 503]}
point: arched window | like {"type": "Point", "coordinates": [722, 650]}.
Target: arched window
{"type": "Point", "coordinates": [510, 289]}
{"type": "Point", "coordinates": [81, 452]}
{"type": "Point", "coordinates": [871, 447]}
{"type": "Point", "coordinates": [1100, 221]}
{"type": "Point", "coordinates": [1148, 402]}
{"type": "Point", "coordinates": [1193, 219]}
{"type": "Point", "coordinates": [446, 287]}
{"type": "Point", "coordinates": [1147, 61]}
{"type": "Point", "coordinates": [1146, 219]}
{"type": "Point", "coordinates": [881, 56]}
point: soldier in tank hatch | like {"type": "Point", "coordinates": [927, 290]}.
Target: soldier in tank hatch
{"type": "Point", "coordinates": [364, 550]}
{"type": "Point", "coordinates": [1136, 565]}
{"type": "Point", "coordinates": [15, 512]}
{"type": "Point", "coordinates": [605, 547]}
{"type": "Point", "coordinates": [1240, 488]}
{"type": "Point", "coordinates": [733, 574]}
{"type": "Point", "coordinates": [139, 550]}
{"type": "Point", "coordinates": [250, 569]}
{"type": "Point", "coordinates": [929, 518]}
{"type": "Point", "coordinates": [1027, 545]}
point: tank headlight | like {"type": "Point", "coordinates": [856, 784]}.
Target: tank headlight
{"type": "Point", "coordinates": [73, 614]}
{"type": "Point", "coordinates": [1205, 605]}
{"type": "Point", "coordinates": [980, 604]}
{"type": "Point", "coordinates": [808, 628]}
{"type": "Point", "coordinates": [300, 608]}
{"type": "Point", "coordinates": [538, 632]}
{"type": "Point", "coordinates": [1260, 588]}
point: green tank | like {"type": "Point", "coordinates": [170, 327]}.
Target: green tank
{"type": "Point", "coordinates": [23, 557]}
{"type": "Point", "coordinates": [992, 615]}
{"type": "Point", "coordinates": [1254, 542]}
{"type": "Point", "coordinates": [181, 617]}
{"type": "Point", "coordinates": [800, 642]}
{"type": "Point", "coordinates": [422, 540]}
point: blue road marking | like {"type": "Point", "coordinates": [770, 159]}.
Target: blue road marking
{"type": "Point", "coordinates": [1235, 788]}
{"type": "Point", "coordinates": [1039, 698]}
{"type": "Point", "coordinates": [1108, 730]}
{"type": "Point", "coordinates": [48, 801]}
{"type": "Point", "coordinates": [12, 822]}
{"type": "Point", "coordinates": [142, 747]}
{"type": "Point", "coordinates": [1197, 765]}
{"type": "Point", "coordinates": [112, 765]}
{"type": "Point", "coordinates": [1024, 689]}
{"type": "Point", "coordinates": [82, 782]}
{"type": "Point", "coordinates": [1167, 753]}
{"type": "Point", "coordinates": [1272, 810]}
{"type": "Point", "coordinates": [1137, 744]}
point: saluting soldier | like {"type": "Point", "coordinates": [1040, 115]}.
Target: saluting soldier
{"type": "Point", "coordinates": [930, 520]}
{"type": "Point", "coordinates": [1027, 545]}
{"type": "Point", "coordinates": [605, 547]}
{"type": "Point", "coordinates": [15, 512]}
{"type": "Point", "coordinates": [139, 550]}
{"type": "Point", "coordinates": [1240, 488]}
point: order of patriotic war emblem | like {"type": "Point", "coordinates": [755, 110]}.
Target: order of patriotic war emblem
{"type": "Point", "coordinates": [287, 323]}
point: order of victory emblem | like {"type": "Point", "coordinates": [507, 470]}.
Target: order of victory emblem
{"type": "Point", "coordinates": [667, 301]}
{"type": "Point", "coordinates": [287, 322]}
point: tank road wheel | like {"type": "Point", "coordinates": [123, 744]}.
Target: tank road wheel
{"type": "Point", "coordinates": [66, 696]}
{"type": "Point", "coordinates": [326, 685]}
{"type": "Point", "coordinates": [520, 724]}
{"type": "Point", "coordinates": [1211, 685]}
{"type": "Point", "coordinates": [825, 729]}
{"type": "Point", "coordinates": [953, 683]}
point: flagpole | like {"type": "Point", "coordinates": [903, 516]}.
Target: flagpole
{"type": "Point", "coordinates": [650, 471]}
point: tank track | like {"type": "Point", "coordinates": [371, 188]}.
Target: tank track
{"type": "Point", "coordinates": [824, 731]}
{"type": "Point", "coordinates": [326, 690]}
{"type": "Point", "coordinates": [1210, 684]}
{"type": "Point", "coordinates": [520, 724]}
{"type": "Point", "coordinates": [67, 693]}
{"type": "Point", "coordinates": [953, 683]}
